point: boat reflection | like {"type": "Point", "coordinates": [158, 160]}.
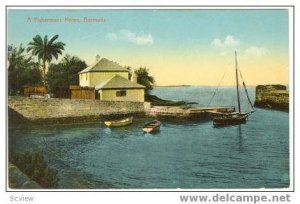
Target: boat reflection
{"type": "Point", "coordinates": [107, 130]}
{"type": "Point", "coordinates": [240, 145]}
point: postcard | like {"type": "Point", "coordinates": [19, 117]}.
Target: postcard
{"type": "Point", "coordinates": [150, 99]}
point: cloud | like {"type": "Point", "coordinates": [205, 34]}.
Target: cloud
{"type": "Point", "coordinates": [130, 36]}
{"type": "Point", "coordinates": [228, 41]}
{"type": "Point", "coordinates": [140, 39]}
{"type": "Point", "coordinates": [112, 36]}
{"type": "Point", "coordinates": [217, 43]}
{"type": "Point", "coordinates": [254, 51]}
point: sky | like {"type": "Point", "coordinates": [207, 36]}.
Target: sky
{"type": "Point", "coordinates": [179, 46]}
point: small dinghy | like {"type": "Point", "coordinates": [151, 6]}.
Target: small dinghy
{"type": "Point", "coordinates": [152, 126]}
{"type": "Point", "coordinates": [119, 122]}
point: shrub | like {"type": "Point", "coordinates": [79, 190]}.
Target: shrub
{"type": "Point", "coordinates": [35, 167]}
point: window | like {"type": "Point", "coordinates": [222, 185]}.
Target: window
{"type": "Point", "coordinates": [121, 93]}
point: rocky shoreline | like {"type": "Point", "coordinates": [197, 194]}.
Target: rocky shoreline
{"type": "Point", "coordinates": [275, 97]}
{"type": "Point", "coordinates": [18, 180]}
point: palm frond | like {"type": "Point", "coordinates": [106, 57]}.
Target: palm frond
{"type": "Point", "coordinates": [45, 40]}
{"type": "Point", "coordinates": [38, 40]}
{"type": "Point", "coordinates": [52, 39]}
{"type": "Point", "coordinates": [59, 45]}
{"type": "Point", "coordinates": [45, 49]}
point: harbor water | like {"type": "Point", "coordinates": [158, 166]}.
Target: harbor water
{"type": "Point", "coordinates": [184, 154]}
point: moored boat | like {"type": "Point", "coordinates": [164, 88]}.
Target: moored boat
{"type": "Point", "coordinates": [152, 126]}
{"type": "Point", "coordinates": [234, 118]}
{"type": "Point", "coordinates": [119, 122]}
{"type": "Point", "coordinates": [230, 119]}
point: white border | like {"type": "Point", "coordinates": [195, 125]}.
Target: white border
{"type": "Point", "coordinates": [109, 196]}
{"type": "Point", "coordinates": [291, 67]}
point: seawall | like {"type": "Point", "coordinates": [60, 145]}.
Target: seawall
{"type": "Point", "coordinates": [69, 110]}
{"type": "Point", "coordinates": [272, 97]}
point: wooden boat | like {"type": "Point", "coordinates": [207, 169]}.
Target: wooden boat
{"type": "Point", "coordinates": [234, 118]}
{"type": "Point", "coordinates": [230, 119]}
{"type": "Point", "coordinates": [152, 126]}
{"type": "Point", "coordinates": [118, 123]}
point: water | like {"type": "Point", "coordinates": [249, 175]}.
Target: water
{"type": "Point", "coordinates": [184, 154]}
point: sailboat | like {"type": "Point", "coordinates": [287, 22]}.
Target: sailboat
{"type": "Point", "coordinates": [234, 118]}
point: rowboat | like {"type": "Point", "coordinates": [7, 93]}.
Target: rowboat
{"type": "Point", "coordinates": [152, 126]}
{"type": "Point", "coordinates": [119, 122]}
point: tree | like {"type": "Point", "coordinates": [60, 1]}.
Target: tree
{"type": "Point", "coordinates": [60, 76]}
{"type": "Point", "coordinates": [21, 70]}
{"type": "Point", "coordinates": [45, 50]}
{"type": "Point", "coordinates": [144, 78]}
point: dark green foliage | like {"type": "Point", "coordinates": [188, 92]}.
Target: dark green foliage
{"type": "Point", "coordinates": [45, 49]}
{"type": "Point", "coordinates": [21, 70]}
{"type": "Point", "coordinates": [144, 78]}
{"type": "Point", "coordinates": [35, 167]}
{"type": "Point", "coordinates": [156, 101]}
{"type": "Point", "coordinates": [60, 76]}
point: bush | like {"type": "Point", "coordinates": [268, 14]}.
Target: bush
{"type": "Point", "coordinates": [60, 76]}
{"type": "Point", "coordinates": [35, 167]}
{"type": "Point", "coordinates": [156, 101]}
{"type": "Point", "coordinates": [21, 70]}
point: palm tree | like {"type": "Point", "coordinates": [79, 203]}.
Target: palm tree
{"type": "Point", "coordinates": [45, 50]}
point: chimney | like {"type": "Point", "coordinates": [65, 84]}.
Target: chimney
{"type": "Point", "coordinates": [98, 57]}
{"type": "Point", "coordinates": [134, 77]}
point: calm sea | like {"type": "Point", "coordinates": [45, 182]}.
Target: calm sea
{"type": "Point", "coordinates": [184, 154]}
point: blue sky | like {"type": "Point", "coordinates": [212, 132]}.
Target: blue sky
{"type": "Point", "coordinates": [169, 42]}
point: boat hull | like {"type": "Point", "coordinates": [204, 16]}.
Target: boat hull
{"type": "Point", "coordinates": [152, 126]}
{"type": "Point", "coordinates": [118, 123]}
{"type": "Point", "coordinates": [234, 120]}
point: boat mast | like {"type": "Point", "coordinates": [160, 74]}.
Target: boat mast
{"type": "Point", "coordinates": [237, 83]}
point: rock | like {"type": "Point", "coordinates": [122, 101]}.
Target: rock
{"type": "Point", "coordinates": [272, 97]}
{"type": "Point", "coordinates": [18, 180]}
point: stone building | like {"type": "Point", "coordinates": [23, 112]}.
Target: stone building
{"type": "Point", "coordinates": [111, 82]}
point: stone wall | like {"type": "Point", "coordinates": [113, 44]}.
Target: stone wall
{"type": "Point", "coordinates": [53, 109]}
{"type": "Point", "coordinates": [272, 97]}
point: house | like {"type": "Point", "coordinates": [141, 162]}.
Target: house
{"type": "Point", "coordinates": [111, 82]}
{"type": "Point", "coordinates": [117, 88]}
{"type": "Point", "coordinates": [99, 72]}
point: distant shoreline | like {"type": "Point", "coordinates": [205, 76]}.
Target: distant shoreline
{"type": "Point", "coordinates": [158, 86]}
{"type": "Point", "coordinates": [185, 85]}
{"type": "Point", "coordinates": [173, 86]}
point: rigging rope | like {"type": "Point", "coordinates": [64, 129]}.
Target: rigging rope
{"type": "Point", "coordinates": [244, 85]}
{"type": "Point", "coordinates": [216, 89]}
